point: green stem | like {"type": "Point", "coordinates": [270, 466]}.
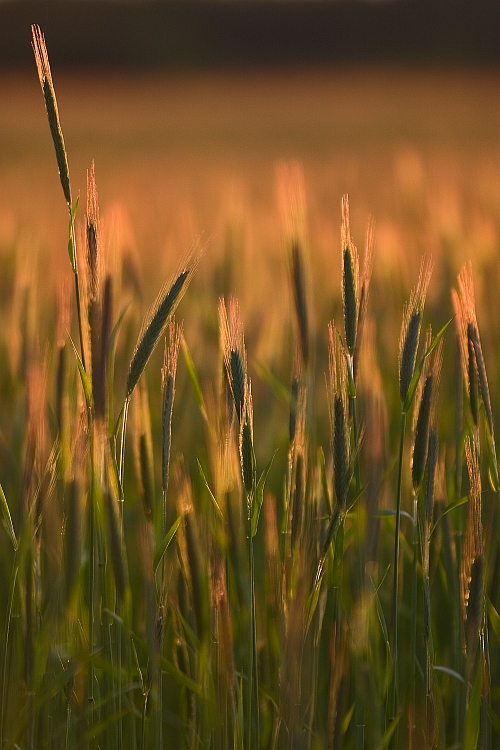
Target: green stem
{"type": "Point", "coordinates": [428, 658]}
{"type": "Point", "coordinates": [253, 721]}
{"type": "Point", "coordinates": [92, 501]}
{"type": "Point", "coordinates": [122, 445]}
{"type": "Point", "coordinates": [413, 620]}
{"type": "Point", "coordinates": [117, 602]}
{"type": "Point", "coordinates": [393, 696]}
{"type": "Point", "coordinates": [6, 654]}
{"type": "Point", "coordinates": [119, 671]}
{"type": "Point", "coordinates": [359, 718]}
{"type": "Point", "coordinates": [485, 721]}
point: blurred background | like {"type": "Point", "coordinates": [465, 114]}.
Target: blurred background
{"type": "Point", "coordinates": [248, 32]}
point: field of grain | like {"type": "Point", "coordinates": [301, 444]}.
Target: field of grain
{"type": "Point", "coordinates": [360, 608]}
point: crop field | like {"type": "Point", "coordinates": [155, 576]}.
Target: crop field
{"type": "Point", "coordinates": [249, 384]}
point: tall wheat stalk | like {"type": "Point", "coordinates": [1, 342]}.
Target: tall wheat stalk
{"type": "Point", "coordinates": [408, 346]}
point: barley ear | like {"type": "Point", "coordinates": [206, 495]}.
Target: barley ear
{"type": "Point", "coordinates": [49, 95]}
{"type": "Point", "coordinates": [294, 399]}
{"type": "Point", "coordinates": [92, 231]}
{"type": "Point", "coordinates": [350, 280]}
{"type": "Point", "coordinates": [420, 444]}
{"type": "Point", "coordinates": [410, 329]}
{"type": "Point", "coordinates": [247, 454]}
{"type": "Point", "coordinates": [473, 541]}
{"type": "Point", "coordinates": [472, 378]}
{"type": "Point", "coordinates": [168, 374]}
{"type": "Point", "coordinates": [473, 337]}
{"type": "Point", "coordinates": [364, 291]}
{"type": "Point", "coordinates": [300, 298]}
{"type": "Point", "coordinates": [339, 411]}
{"type": "Point", "coordinates": [155, 322]}
{"type": "Point", "coordinates": [233, 346]}
{"type": "Point", "coordinates": [100, 368]}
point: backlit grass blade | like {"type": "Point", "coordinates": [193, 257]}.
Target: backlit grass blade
{"type": "Point", "coordinates": [8, 520]}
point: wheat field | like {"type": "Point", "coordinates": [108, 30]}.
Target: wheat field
{"type": "Point", "coordinates": [249, 395]}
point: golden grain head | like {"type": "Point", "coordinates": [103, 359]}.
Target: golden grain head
{"type": "Point", "coordinates": [410, 329]}
{"type": "Point", "coordinates": [94, 256]}
{"type": "Point", "coordinates": [350, 280]}
{"type": "Point", "coordinates": [247, 454]}
{"type": "Point", "coordinates": [45, 76]}
{"type": "Point", "coordinates": [473, 539]}
{"type": "Point", "coordinates": [234, 352]}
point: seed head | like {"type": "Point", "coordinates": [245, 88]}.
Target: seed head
{"type": "Point", "coordinates": [421, 435]}
{"type": "Point", "coordinates": [339, 412]}
{"type": "Point", "coordinates": [299, 288]}
{"type": "Point", "coordinates": [234, 352]}
{"type": "Point", "coordinates": [410, 330]}
{"type": "Point", "coordinates": [247, 454]}
{"type": "Point", "coordinates": [168, 374]}
{"type": "Point", "coordinates": [92, 227]}
{"type": "Point", "coordinates": [473, 356]}
{"type": "Point", "coordinates": [350, 280]}
{"type": "Point", "coordinates": [473, 542]}
{"type": "Point", "coordinates": [49, 95]}
{"type": "Point", "coordinates": [159, 315]}
{"type": "Point", "coordinates": [364, 290]}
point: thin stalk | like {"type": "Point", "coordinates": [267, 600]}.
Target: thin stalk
{"type": "Point", "coordinates": [253, 720]}
{"type": "Point", "coordinates": [117, 602]}
{"type": "Point", "coordinates": [91, 582]}
{"type": "Point", "coordinates": [68, 723]}
{"type": "Point", "coordinates": [413, 621]}
{"type": "Point", "coordinates": [159, 710]}
{"type": "Point", "coordinates": [5, 693]}
{"type": "Point", "coordinates": [143, 722]}
{"type": "Point", "coordinates": [428, 658]}
{"type": "Point", "coordinates": [352, 403]}
{"type": "Point", "coordinates": [457, 639]}
{"type": "Point", "coordinates": [359, 718]}
{"type": "Point", "coordinates": [119, 671]}
{"type": "Point", "coordinates": [393, 696]}
{"type": "Point", "coordinates": [122, 444]}
{"type": "Point", "coordinates": [312, 712]}
{"type": "Point", "coordinates": [485, 721]}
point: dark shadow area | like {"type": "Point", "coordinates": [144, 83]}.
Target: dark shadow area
{"type": "Point", "coordinates": [190, 34]}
